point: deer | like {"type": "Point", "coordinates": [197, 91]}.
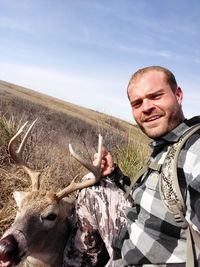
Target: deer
{"type": "Point", "coordinates": [41, 227]}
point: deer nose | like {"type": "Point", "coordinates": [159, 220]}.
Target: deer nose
{"type": "Point", "coordinates": [9, 249]}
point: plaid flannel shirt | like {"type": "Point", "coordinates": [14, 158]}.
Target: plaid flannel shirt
{"type": "Point", "coordinates": [152, 236]}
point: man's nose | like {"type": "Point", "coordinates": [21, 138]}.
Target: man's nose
{"type": "Point", "coordinates": [147, 105]}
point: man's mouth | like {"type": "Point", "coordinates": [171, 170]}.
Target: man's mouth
{"type": "Point", "coordinates": [152, 118]}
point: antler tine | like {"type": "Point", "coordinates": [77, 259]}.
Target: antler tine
{"type": "Point", "coordinates": [96, 170]}
{"type": "Point", "coordinates": [21, 146]}
{"type": "Point", "coordinates": [99, 155]}
{"type": "Point", "coordinates": [11, 142]}
{"type": "Point", "coordinates": [17, 155]}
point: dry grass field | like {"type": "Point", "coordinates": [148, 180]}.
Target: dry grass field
{"type": "Point", "coordinates": [58, 124]}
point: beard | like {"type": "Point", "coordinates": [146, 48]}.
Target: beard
{"type": "Point", "coordinates": [163, 125]}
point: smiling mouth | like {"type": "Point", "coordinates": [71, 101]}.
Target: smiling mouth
{"type": "Point", "coordinates": [152, 118]}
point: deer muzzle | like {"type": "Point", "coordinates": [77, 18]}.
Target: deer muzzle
{"type": "Point", "coordinates": [11, 251]}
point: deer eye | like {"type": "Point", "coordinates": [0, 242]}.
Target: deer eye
{"type": "Point", "coordinates": [51, 217]}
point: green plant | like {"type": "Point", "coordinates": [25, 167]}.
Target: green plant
{"type": "Point", "coordinates": [130, 159]}
{"type": "Point", "coordinates": [5, 130]}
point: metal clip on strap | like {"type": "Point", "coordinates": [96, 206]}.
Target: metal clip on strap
{"type": "Point", "coordinates": [155, 166]}
{"type": "Point", "coordinates": [180, 220]}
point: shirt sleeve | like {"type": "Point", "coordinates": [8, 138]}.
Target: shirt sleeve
{"type": "Point", "coordinates": [99, 220]}
{"type": "Point", "coordinates": [85, 246]}
{"type": "Point", "coordinates": [192, 172]}
{"type": "Point", "coordinates": [121, 180]}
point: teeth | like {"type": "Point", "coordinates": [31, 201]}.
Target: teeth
{"type": "Point", "coordinates": [153, 118]}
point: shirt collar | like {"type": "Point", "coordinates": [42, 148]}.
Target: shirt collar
{"type": "Point", "coordinates": [172, 136]}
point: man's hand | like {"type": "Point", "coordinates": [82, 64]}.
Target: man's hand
{"type": "Point", "coordinates": [107, 164]}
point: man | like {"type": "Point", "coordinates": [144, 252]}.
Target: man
{"type": "Point", "coordinates": [149, 235]}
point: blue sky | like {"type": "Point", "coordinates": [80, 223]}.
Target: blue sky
{"type": "Point", "coordinates": [84, 51]}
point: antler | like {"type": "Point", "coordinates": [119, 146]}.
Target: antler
{"type": "Point", "coordinates": [17, 155]}
{"type": "Point", "coordinates": [95, 169]}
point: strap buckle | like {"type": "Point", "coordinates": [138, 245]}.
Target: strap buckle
{"type": "Point", "coordinates": [180, 220]}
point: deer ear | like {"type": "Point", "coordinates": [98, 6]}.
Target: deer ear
{"type": "Point", "coordinates": [19, 197]}
{"type": "Point", "coordinates": [68, 205]}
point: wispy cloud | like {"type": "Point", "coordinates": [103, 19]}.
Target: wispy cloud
{"type": "Point", "coordinates": [91, 47]}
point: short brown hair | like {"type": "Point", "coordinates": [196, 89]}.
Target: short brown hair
{"type": "Point", "coordinates": [170, 78]}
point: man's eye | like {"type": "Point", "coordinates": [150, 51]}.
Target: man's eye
{"type": "Point", "coordinates": [157, 96]}
{"type": "Point", "coordinates": [136, 105]}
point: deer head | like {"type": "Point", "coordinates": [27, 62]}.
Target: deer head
{"type": "Point", "coordinates": [42, 223]}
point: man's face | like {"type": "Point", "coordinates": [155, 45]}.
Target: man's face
{"type": "Point", "coordinates": [155, 107]}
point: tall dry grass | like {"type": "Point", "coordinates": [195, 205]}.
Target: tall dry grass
{"type": "Point", "coordinates": [47, 151]}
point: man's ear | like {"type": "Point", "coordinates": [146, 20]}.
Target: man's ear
{"type": "Point", "coordinates": [179, 94]}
